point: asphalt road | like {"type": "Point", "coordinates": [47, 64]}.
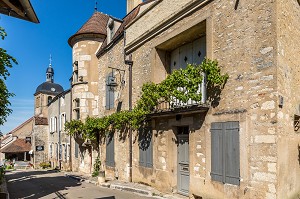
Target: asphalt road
{"type": "Point", "coordinates": [51, 184]}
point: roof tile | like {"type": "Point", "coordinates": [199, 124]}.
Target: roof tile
{"type": "Point", "coordinates": [95, 25]}
{"type": "Point", "coordinates": [18, 146]}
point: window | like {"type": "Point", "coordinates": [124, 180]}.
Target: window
{"type": "Point", "coordinates": [62, 122]}
{"type": "Point", "coordinates": [110, 95]}
{"type": "Point", "coordinates": [77, 114]}
{"type": "Point", "coordinates": [190, 53]}
{"type": "Point", "coordinates": [145, 148]}
{"type": "Point", "coordinates": [68, 152]}
{"type": "Point", "coordinates": [225, 152]}
{"type": "Point", "coordinates": [49, 99]}
{"type": "Point", "coordinates": [77, 108]}
{"type": "Point", "coordinates": [76, 149]}
{"type": "Point", "coordinates": [64, 152]}
{"type": "Point", "coordinates": [50, 125]}
{"type": "Point", "coordinates": [110, 150]}
{"type": "Point", "coordinates": [37, 102]}
{"type": "Point", "coordinates": [77, 103]}
{"type": "Point", "coordinates": [111, 30]}
{"type": "Point", "coordinates": [50, 151]}
{"type": "Point", "coordinates": [55, 124]}
{"type": "Point", "coordinates": [57, 151]}
{"type": "Point", "coordinates": [75, 73]}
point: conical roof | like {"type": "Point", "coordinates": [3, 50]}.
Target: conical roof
{"type": "Point", "coordinates": [96, 25]}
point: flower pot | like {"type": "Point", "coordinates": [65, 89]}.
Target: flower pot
{"type": "Point", "coordinates": [101, 177]}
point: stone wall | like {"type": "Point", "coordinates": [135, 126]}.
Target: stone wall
{"type": "Point", "coordinates": [86, 87]}
{"type": "Point", "coordinates": [58, 107]}
{"type": "Point", "coordinates": [114, 58]}
{"type": "Point", "coordinates": [86, 90]}
{"type": "Point", "coordinates": [288, 81]}
{"type": "Point", "coordinates": [24, 130]}
{"type": "Point", "coordinates": [243, 40]}
{"type": "Point", "coordinates": [40, 138]}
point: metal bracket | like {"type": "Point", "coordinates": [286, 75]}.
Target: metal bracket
{"type": "Point", "coordinates": [237, 4]}
{"type": "Point", "coordinates": [296, 123]}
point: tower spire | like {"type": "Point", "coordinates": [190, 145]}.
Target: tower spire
{"type": "Point", "coordinates": [50, 71]}
{"type": "Point", "coordinates": [96, 5]}
{"type": "Point", "coordinates": [50, 60]}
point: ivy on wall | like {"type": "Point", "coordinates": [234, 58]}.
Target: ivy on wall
{"type": "Point", "coordinates": [188, 79]}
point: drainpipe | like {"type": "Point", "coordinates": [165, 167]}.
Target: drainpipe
{"type": "Point", "coordinates": [130, 63]}
{"type": "Point", "coordinates": [71, 111]}
{"type": "Point", "coordinates": [59, 134]}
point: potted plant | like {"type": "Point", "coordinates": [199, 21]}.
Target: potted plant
{"type": "Point", "coordinates": [98, 172]}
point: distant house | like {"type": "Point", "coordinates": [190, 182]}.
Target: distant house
{"type": "Point", "coordinates": [18, 150]}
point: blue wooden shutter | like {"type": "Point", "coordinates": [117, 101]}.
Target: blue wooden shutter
{"type": "Point", "coordinates": [142, 148]}
{"type": "Point", "coordinates": [149, 150]}
{"type": "Point", "coordinates": [111, 98]}
{"type": "Point", "coordinates": [110, 150]}
{"type": "Point", "coordinates": [145, 147]}
{"type": "Point", "coordinates": [232, 153]}
{"type": "Point", "coordinates": [107, 95]}
{"type": "Point", "coordinates": [76, 149]}
{"type": "Point", "coordinates": [110, 95]}
{"type": "Point", "coordinates": [217, 151]}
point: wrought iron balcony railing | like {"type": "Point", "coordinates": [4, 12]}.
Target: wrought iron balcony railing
{"type": "Point", "coordinates": [175, 103]}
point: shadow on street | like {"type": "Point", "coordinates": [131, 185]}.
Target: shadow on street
{"type": "Point", "coordinates": [37, 184]}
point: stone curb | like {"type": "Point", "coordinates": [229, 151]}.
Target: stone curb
{"type": "Point", "coordinates": [117, 187]}
{"type": "Point", "coordinates": [131, 189]}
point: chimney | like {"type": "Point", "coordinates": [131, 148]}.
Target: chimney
{"type": "Point", "coordinates": [132, 4]}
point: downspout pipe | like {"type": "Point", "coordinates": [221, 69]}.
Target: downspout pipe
{"type": "Point", "coordinates": [59, 133]}
{"type": "Point", "coordinates": [71, 111]}
{"type": "Point", "coordinates": [129, 62]}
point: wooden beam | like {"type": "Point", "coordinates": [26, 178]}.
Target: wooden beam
{"type": "Point", "coordinates": [14, 8]}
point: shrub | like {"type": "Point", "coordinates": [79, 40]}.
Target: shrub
{"type": "Point", "coordinates": [9, 166]}
{"type": "Point", "coordinates": [97, 165]}
{"type": "Point", "coordinates": [45, 165]}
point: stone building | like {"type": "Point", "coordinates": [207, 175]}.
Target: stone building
{"type": "Point", "coordinates": [44, 94]}
{"type": "Point", "coordinates": [244, 143]}
{"type": "Point", "coordinates": [84, 92]}
{"type": "Point", "coordinates": [59, 141]}
{"type": "Point", "coordinates": [17, 143]}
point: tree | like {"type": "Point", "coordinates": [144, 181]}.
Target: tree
{"type": "Point", "coordinates": [6, 62]}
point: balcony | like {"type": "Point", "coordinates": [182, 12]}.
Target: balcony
{"type": "Point", "coordinates": [177, 106]}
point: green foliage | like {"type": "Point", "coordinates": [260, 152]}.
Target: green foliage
{"type": "Point", "coordinates": [45, 165]}
{"type": "Point", "coordinates": [6, 62]}
{"type": "Point", "coordinates": [97, 165]}
{"type": "Point", "coordinates": [182, 84]}
{"type": "Point", "coordinates": [9, 166]}
{"type": "Point", "coordinates": [2, 173]}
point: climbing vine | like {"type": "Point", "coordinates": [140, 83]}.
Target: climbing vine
{"type": "Point", "coordinates": [182, 84]}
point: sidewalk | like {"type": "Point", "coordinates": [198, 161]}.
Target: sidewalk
{"type": "Point", "coordinates": [124, 186]}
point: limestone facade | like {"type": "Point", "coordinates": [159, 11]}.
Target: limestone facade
{"type": "Point", "coordinates": [59, 142]}
{"type": "Point", "coordinates": [251, 43]}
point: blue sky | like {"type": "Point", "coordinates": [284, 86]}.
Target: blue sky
{"type": "Point", "coordinates": [31, 44]}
